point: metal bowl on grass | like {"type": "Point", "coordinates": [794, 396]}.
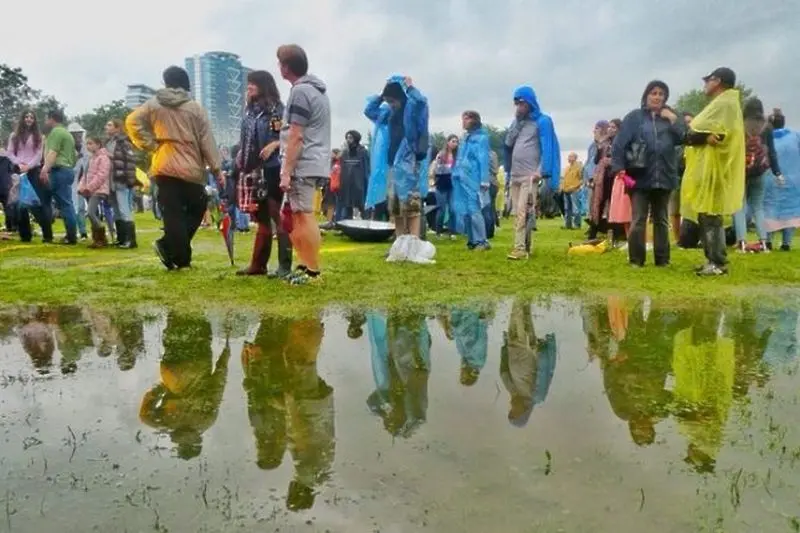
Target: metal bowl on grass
{"type": "Point", "coordinates": [366, 230]}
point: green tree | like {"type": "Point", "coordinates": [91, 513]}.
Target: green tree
{"type": "Point", "coordinates": [696, 100]}
{"type": "Point", "coordinates": [95, 121]}
{"type": "Point", "coordinates": [15, 95]}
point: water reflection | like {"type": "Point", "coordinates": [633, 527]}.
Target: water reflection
{"type": "Point", "coordinates": [527, 363]}
{"type": "Point", "coordinates": [289, 405]}
{"type": "Point", "coordinates": [400, 351]}
{"type": "Point", "coordinates": [186, 402]}
{"type": "Point", "coordinates": [669, 386]}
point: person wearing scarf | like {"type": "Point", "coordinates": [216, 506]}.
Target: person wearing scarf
{"type": "Point", "coordinates": [532, 155]}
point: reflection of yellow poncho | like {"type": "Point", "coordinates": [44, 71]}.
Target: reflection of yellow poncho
{"type": "Point", "coordinates": [714, 179]}
{"type": "Point", "coordinates": [704, 374]}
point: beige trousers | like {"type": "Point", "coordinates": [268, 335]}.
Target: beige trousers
{"type": "Point", "coordinates": [521, 193]}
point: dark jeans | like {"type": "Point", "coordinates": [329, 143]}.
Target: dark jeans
{"type": "Point", "coordinates": [182, 206]}
{"type": "Point", "coordinates": [490, 212]}
{"type": "Point", "coordinates": [643, 203]}
{"type": "Point", "coordinates": [61, 182]}
{"type": "Point", "coordinates": [444, 211]}
{"type": "Point", "coordinates": [43, 214]}
{"type": "Point", "coordinates": [10, 213]}
{"type": "Point", "coordinates": [712, 233]}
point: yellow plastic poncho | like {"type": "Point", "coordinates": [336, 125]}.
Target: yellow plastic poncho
{"type": "Point", "coordinates": [713, 183]}
{"type": "Point", "coordinates": [704, 375]}
{"type": "Point", "coordinates": [143, 179]}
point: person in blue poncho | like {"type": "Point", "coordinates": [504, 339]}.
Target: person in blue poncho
{"type": "Point", "coordinates": [399, 152]}
{"type": "Point", "coordinates": [471, 181]}
{"type": "Point", "coordinates": [782, 193]}
{"type": "Point", "coordinates": [532, 156]}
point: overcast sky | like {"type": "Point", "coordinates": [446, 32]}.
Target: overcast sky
{"type": "Point", "coordinates": [586, 59]}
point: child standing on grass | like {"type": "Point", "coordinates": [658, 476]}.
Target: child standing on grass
{"type": "Point", "coordinates": [95, 187]}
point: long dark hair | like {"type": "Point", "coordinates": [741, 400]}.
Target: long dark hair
{"type": "Point", "coordinates": [268, 93]}
{"type": "Point", "coordinates": [23, 132]}
{"type": "Point", "coordinates": [445, 149]}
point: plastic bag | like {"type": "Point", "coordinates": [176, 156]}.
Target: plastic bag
{"type": "Point", "coordinates": [13, 192]}
{"type": "Point", "coordinates": [413, 249]}
{"type": "Point", "coordinates": [27, 194]}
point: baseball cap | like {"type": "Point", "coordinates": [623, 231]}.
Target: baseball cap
{"type": "Point", "coordinates": [724, 75]}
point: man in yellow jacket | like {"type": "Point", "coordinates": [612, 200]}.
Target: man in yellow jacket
{"type": "Point", "coordinates": [176, 130]}
{"type": "Point", "coordinates": [571, 187]}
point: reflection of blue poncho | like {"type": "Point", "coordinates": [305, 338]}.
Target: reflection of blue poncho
{"type": "Point", "coordinates": [470, 171]}
{"type": "Point", "coordinates": [472, 337]}
{"type": "Point", "coordinates": [548, 141]}
{"type": "Point", "coordinates": [410, 165]}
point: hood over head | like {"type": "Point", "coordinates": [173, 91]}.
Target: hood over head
{"type": "Point", "coordinates": [356, 136]}
{"type": "Point", "coordinates": [172, 97]}
{"type": "Point", "coordinates": [652, 85]}
{"type": "Point", "coordinates": [310, 79]}
{"type": "Point", "coordinates": [176, 78]}
{"type": "Point", "coordinates": [528, 95]}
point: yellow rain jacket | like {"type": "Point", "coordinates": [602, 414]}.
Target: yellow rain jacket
{"type": "Point", "coordinates": [704, 374]}
{"type": "Point", "coordinates": [713, 183]}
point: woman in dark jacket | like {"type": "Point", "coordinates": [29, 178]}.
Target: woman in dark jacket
{"type": "Point", "coordinates": [656, 128]}
{"type": "Point", "coordinates": [354, 163]}
{"type": "Point", "coordinates": [123, 180]}
{"type": "Point", "coordinates": [259, 170]}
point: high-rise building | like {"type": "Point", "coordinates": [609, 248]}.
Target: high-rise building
{"type": "Point", "coordinates": [218, 83]}
{"type": "Point", "coordinates": [138, 94]}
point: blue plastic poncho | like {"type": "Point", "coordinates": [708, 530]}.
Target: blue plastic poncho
{"type": "Point", "coordinates": [548, 140]}
{"type": "Point", "coordinates": [782, 201]}
{"type": "Point", "coordinates": [410, 166]}
{"type": "Point", "coordinates": [470, 171]}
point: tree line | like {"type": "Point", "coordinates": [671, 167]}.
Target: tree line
{"type": "Point", "coordinates": [16, 95]}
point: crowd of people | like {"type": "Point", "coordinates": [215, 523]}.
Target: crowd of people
{"type": "Point", "coordinates": [690, 174]}
{"type": "Point", "coordinates": [71, 176]}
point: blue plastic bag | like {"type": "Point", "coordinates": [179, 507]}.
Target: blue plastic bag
{"type": "Point", "coordinates": [27, 194]}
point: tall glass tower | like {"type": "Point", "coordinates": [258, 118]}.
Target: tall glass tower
{"type": "Point", "coordinates": [218, 83]}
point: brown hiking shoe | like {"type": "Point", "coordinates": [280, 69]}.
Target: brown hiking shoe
{"type": "Point", "coordinates": [517, 255]}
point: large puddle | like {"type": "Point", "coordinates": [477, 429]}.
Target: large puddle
{"type": "Point", "coordinates": [616, 415]}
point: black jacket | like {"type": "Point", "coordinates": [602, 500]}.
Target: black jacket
{"type": "Point", "coordinates": [661, 138]}
{"type": "Point", "coordinates": [7, 168]}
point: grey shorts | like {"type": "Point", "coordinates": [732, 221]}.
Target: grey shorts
{"type": "Point", "coordinates": [675, 203]}
{"type": "Point", "coordinates": [301, 194]}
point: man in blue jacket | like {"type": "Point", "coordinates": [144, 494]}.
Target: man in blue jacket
{"type": "Point", "coordinates": [400, 114]}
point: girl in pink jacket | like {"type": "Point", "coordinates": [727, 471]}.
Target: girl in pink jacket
{"type": "Point", "coordinates": [95, 187]}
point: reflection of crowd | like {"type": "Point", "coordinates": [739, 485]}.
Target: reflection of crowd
{"type": "Point", "coordinates": [692, 366]}
{"type": "Point", "coordinates": [657, 364]}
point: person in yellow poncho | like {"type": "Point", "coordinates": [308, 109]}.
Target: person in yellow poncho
{"type": "Point", "coordinates": [713, 183]}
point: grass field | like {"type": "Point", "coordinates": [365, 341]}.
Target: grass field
{"type": "Point", "coordinates": [356, 275]}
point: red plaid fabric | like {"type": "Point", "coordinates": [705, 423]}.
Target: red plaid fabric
{"type": "Point", "coordinates": [247, 191]}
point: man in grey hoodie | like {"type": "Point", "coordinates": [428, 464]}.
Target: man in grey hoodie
{"type": "Point", "coordinates": [305, 150]}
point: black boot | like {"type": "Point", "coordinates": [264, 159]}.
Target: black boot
{"type": "Point", "coordinates": [284, 257]}
{"type": "Point", "coordinates": [119, 229]}
{"type": "Point", "coordinates": [129, 241]}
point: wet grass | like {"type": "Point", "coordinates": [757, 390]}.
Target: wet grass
{"type": "Point", "coordinates": [356, 275]}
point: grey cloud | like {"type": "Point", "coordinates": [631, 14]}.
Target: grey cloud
{"type": "Point", "coordinates": [586, 60]}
